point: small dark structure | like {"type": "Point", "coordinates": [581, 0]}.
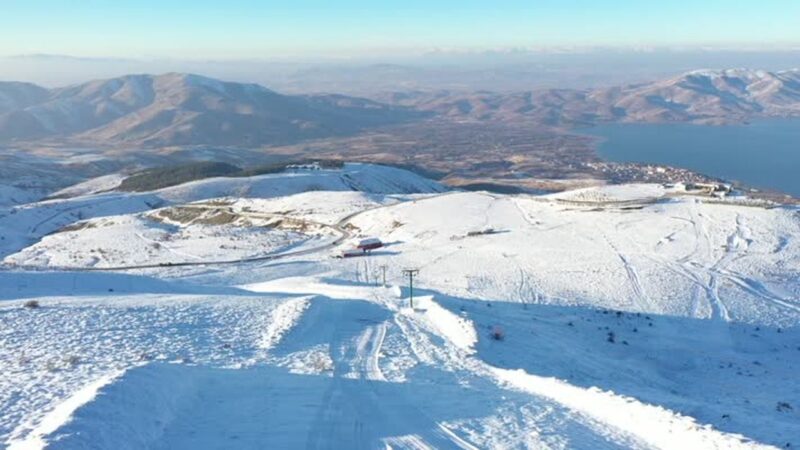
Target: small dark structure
{"type": "Point", "coordinates": [369, 244]}
{"type": "Point", "coordinates": [352, 253]}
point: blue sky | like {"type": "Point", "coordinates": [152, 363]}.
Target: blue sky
{"type": "Point", "coordinates": [248, 28]}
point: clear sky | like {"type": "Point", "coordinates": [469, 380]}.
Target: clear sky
{"type": "Point", "coordinates": [249, 28]}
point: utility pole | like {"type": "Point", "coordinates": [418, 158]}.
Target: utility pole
{"type": "Point", "coordinates": [383, 269]}
{"type": "Point", "coordinates": [411, 273]}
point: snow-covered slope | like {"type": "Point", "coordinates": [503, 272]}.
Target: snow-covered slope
{"type": "Point", "coordinates": [354, 177]}
{"type": "Point", "coordinates": [91, 186]}
{"type": "Point", "coordinates": [676, 256]}
{"type": "Point", "coordinates": [24, 225]}
{"type": "Point", "coordinates": [629, 316]}
{"type": "Point", "coordinates": [139, 240]}
{"type": "Point", "coordinates": [12, 195]}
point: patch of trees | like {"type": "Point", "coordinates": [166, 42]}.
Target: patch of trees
{"type": "Point", "coordinates": [418, 169]}
{"type": "Point", "coordinates": [162, 177]}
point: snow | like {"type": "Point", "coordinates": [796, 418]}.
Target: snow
{"type": "Point", "coordinates": [354, 177]}
{"type": "Point", "coordinates": [633, 316]}
{"type": "Point", "coordinates": [62, 414]}
{"type": "Point", "coordinates": [12, 195]}
{"type": "Point", "coordinates": [100, 243]}
{"type": "Point", "coordinates": [655, 426]}
{"type": "Point", "coordinates": [92, 186]}
{"type": "Point", "coordinates": [669, 257]}
{"type": "Point", "coordinates": [108, 333]}
{"type": "Point", "coordinates": [459, 331]}
{"type": "Point", "coordinates": [327, 207]}
{"type": "Point", "coordinates": [613, 193]}
{"type": "Point", "coordinates": [26, 224]}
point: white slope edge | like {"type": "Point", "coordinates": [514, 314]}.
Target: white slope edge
{"type": "Point", "coordinates": [458, 330]}
{"type": "Point", "coordinates": [62, 414]}
{"type": "Point", "coordinates": [654, 425]}
{"type": "Point", "coordinates": [282, 320]}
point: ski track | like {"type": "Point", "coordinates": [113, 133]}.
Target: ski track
{"type": "Point", "coordinates": [718, 307]}
{"type": "Point", "coordinates": [642, 301]}
{"type": "Point", "coordinates": [353, 411]}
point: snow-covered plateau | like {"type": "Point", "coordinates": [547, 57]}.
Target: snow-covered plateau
{"type": "Point", "coordinates": [220, 314]}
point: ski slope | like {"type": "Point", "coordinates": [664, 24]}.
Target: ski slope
{"type": "Point", "coordinates": [631, 316]}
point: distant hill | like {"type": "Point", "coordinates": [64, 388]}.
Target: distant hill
{"type": "Point", "coordinates": [15, 96]}
{"type": "Point", "coordinates": [182, 109]}
{"type": "Point", "coordinates": [699, 96]}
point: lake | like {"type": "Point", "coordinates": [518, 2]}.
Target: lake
{"type": "Point", "coordinates": [764, 154]}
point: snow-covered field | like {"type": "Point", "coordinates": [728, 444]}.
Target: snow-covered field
{"type": "Point", "coordinates": [616, 317]}
{"type": "Point", "coordinates": [98, 244]}
{"type": "Point", "coordinates": [676, 256]}
{"type": "Point", "coordinates": [12, 195]}
{"type": "Point", "coordinates": [91, 186]}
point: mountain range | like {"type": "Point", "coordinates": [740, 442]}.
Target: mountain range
{"type": "Point", "coordinates": [705, 96]}
{"type": "Point", "coordinates": [183, 109]}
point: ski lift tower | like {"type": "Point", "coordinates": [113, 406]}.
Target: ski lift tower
{"type": "Point", "coordinates": [411, 273]}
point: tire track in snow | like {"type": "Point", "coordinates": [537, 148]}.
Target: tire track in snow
{"type": "Point", "coordinates": [641, 298]}
{"type": "Point", "coordinates": [373, 369]}
{"type": "Point", "coordinates": [719, 311]}
{"type": "Point", "coordinates": [735, 242]}
{"type": "Point", "coordinates": [758, 289]}
{"type": "Point", "coordinates": [357, 408]}
{"type": "Point", "coordinates": [683, 270]}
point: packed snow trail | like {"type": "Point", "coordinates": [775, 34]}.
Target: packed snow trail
{"type": "Point", "coordinates": [355, 412]}
{"type": "Point", "coordinates": [653, 425]}
{"type": "Point", "coordinates": [393, 377]}
{"type": "Point", "coordinates": [443, 402]}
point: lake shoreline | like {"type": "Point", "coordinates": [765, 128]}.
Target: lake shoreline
{"type": "Point", "coordinates": [703, 150]}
